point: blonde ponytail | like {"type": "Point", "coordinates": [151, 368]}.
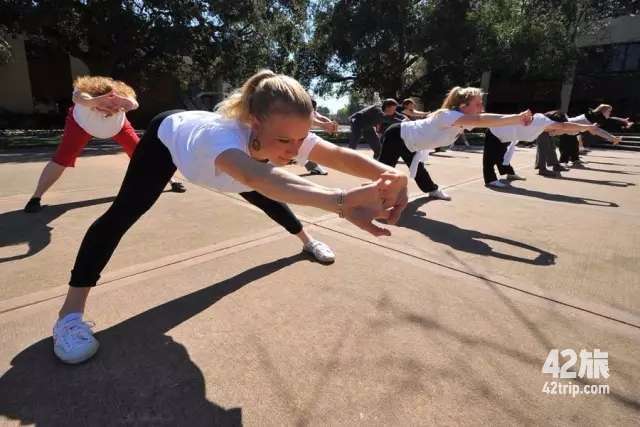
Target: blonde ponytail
{"type": "Point", "coordinates": [266, 93]}
{"type": "Point", "coordinates": [459, 96]}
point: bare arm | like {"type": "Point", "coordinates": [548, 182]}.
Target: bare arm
{"type": "Point", "coordinates": [360, 205]}
{"type": "Point", "coordinates": [109, 103]}
{"type": "Point", "coordinates": [276, 183]}
{"type": "Point", "coordinates": [348, 161]}
{"type": "Point", "coordinates": [625, 122]}
{"type": "Point", "coordinates": [568, 128]}
{"type": "Point", "coordinates": [326, 125]}
{"type": "Point", "coordinates": [487, 120]}
{"type": "Point", "coordinates": [320, 118]}
{"type": "Point", "coordinates": [83, 98]}
{"type": "Point", "coordinates": [353, 163]}
{"type": "Point", "coordinates": [415, 114]}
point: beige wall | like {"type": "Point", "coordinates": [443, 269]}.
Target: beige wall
{"type": "Point", "coordinates": [78, 68]}
{"type": "Point", "coordinates": [15, 87]}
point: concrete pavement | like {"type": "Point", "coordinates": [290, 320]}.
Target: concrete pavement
{"type": "Point", "coordinates": [209, 315]}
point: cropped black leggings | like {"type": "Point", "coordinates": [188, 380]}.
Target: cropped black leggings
{"type": "Point", "coordinates": [148, 173]}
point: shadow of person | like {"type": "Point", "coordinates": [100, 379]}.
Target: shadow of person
{"type": "Point", "coordinates": [140, 375]}
{"type": "Point", "coordinates": [612, 164]}
{"type": "Point", "coordinates": [17, 227]}
{"type": "Point", "coordinates": [553, 197]}
{"type": "Point", "coordinates": [599, 182]}
{"type": "Point", "coordinates": [466, 240]}
{"type": "Point", "coordinates": [619, 172]}
{"type": "Point", "coordinates": [96, 147]}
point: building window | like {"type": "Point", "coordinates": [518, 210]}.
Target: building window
{"type": "Point", "coordinates": [613, 58]}
{"type": "Point", "coordinates": [632, 62]}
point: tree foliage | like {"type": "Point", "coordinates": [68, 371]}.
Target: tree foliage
{"type": "Point", "coordinates": [422, 48]}
{"type": "Point", "coordinates": [189, 39]}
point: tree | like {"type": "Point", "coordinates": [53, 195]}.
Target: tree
{"type": "Point", "coordinates": [190, 39]}
{"type": "Point", "coordinates": [5, 49]}
{"type": "Point", "coordinates": [323, 110]}
{"type": "Point", "coordinates": [423, 48]}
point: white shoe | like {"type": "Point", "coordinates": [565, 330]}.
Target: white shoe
{"type": "Point", "coordinates": [516, 177]}
{"type": "Point", "coordinates": [439, 194]}
{"type": "Point", "coordinates": [320, 251]}
{"type": "Point", "coordinates": [73, 340]}
{"type": "Point", "coordinates": [497, 184]}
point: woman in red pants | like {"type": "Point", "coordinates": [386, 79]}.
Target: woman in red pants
{"type": "Point", "coordinates": [99, 110]}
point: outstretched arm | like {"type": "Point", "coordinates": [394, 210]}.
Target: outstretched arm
{"type": "Point", "coordinates": [355, 164]}
{"type": "Point", "coordinates": [569, 128]}
{"type": "Point", "coordinates": [359, 205]}
{"type": "Point", "coordinates": [324, 123]}
{"type": "Point", "coordinates": [624, 122]}
{"type": "Point", "coordinates": [415, 114]}
{"type": "Point", "coordinates": [487, 120]}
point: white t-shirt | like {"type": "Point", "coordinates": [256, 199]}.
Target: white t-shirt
{"type": "Point", "coordinates": [521, 132]}
{"type": "Point", "coordinates": [437, 130]}
{"type": "Point", "coordinates": [96, 124]}
{"type": "Point", "coordinates": [581, 119]}
{"type": "Point", "coordinates": [196, 138]}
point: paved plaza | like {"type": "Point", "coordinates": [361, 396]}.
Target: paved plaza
{"type": "Point", "coordinates": [209, 314]}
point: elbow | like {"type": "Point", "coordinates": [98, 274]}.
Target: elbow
{"type": "Point", "coordinates": [250, 179]}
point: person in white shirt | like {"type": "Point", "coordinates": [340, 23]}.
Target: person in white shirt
{"type": "Point", "coordinates": [237, 149]}
{"type": "Point", "coordinates": [99, 110]}
{"type": "Point", "coordinates": [325, 123]}
{"type": "Point", "coordinates": [462, 109]}
{"type": "Point", "coordinates": [498, 138]}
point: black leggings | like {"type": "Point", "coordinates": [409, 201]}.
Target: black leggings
{"type": "Point", "coordinates": [546, 152]}
{"type": "Point", "coordinates": [493, 155]}
{"type": "Point", "coordinates": [569, 148]}
{"type": "Point", "coordinates": [148, 173]}
{"type": "Point", "coordinates": [393, 147]}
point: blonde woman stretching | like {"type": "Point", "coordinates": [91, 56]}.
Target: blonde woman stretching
{"type": "Point", "coordinates": [461, 109]}
{"type": "Point", "coordinates": [236, 149]}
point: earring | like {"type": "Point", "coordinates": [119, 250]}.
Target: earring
{"type": "Point", "coordinates": [255, 145]}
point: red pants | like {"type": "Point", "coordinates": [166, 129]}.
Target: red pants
{"type": "Point", "coordinates": [75, 138]}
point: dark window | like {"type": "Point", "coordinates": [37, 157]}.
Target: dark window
{"type": "Point", "coordinates": [617, 57]}
{"type": "Point", "coordinates": [632, 62]}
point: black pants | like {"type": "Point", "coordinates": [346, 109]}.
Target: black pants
{"type": "Point", "coordinates": [546, 152]}
{"type": "Point", "coordinates": [148, 173]}
{"type": "Point", "coordinates": [370, 136]}
{"type": "Point", "coordinates": [393, 147]}
{"type": "Point", "coordinates": [569, 148]}
{"type": "Point", "coordinates": [493, 155]}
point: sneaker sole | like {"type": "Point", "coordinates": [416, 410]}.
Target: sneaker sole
{"type": "Point", "coordinates": [310, 254]}
{"type": "Point", "coordinates": [78, 360]}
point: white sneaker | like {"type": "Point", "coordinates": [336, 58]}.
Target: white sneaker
{"type": "Point", "coordinates": [497, 184]}
{"type": "Point", "coordinates": [320, 251]}
{"type": "Point", "coordinates": [73, 340]}
{"type": "Point", "coordinates": [516, 177]}
{"type": "Point", "coordinates": [439, 194]}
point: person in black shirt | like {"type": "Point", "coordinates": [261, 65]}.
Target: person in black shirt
{"type": "Point", "coordinates": [368, 122]}
{"type": "Point", "coordinates": [571, 146]}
